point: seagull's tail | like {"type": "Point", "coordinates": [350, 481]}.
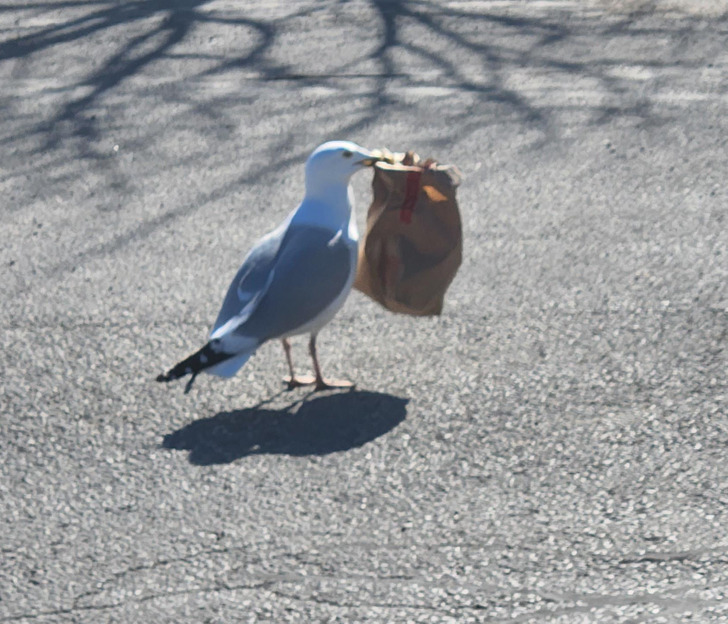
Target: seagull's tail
{"type": "Point", "coordinates": [206, 357]}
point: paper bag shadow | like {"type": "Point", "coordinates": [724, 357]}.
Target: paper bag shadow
{"type": "Point", "coordinates": [325, 424]}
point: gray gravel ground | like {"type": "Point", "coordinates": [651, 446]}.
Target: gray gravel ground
{"type": "Point", "coordinates": [551, 449]}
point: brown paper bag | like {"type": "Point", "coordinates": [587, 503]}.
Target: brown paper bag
{"type": "Point", "coordinates": [412, 246]}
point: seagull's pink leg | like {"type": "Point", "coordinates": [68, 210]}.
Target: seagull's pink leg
{"type": "Point", "coordinates": [321, 383]}
{"type": "Point", "coordinates": [293, 381]}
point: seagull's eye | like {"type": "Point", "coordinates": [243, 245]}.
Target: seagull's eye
{"type": "Point", "coordinates": [347, 154]}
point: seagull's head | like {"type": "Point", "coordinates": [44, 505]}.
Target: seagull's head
{"type": "Point", "coordinates": [336, 161]}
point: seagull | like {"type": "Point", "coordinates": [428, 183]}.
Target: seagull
{"type": "Point", "coordinates": [294, 279]}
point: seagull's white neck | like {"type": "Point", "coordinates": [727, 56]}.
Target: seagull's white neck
{"type": "Point", "coordinates": [329, 206]}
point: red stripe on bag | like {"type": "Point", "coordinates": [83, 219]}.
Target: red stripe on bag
{"type": "Point", "coordinates": [412, 192]}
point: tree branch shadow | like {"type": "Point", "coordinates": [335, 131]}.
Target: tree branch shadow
{"type": "Point", "coordinates": [326, 424]}
{"type": "Point", "coordinates": [160, 26]}
{"type": "Point", "coordinates": [496, 66]}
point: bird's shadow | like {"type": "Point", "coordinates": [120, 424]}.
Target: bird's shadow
{"type": "Point", "coordinates": [322, 425]}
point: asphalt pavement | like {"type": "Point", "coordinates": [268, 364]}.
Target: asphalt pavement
{"type": "Point", "coordinates": [551, 449]}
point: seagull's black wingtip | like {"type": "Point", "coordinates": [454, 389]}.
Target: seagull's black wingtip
{"type": "Point", "coordinates": [204, 358]}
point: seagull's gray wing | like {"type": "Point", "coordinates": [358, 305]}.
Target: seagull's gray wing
{"type": "Point", "coordinates": [311, 269]}
{"type": "Point", "coordinates": [250, 283]}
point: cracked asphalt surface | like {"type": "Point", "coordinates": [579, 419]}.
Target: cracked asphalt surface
{"type": "Point", "coordinates": [551, 449]}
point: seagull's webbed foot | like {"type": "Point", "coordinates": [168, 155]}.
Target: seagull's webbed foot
{"type": "Point", "coordinates": [332, 384]}
{"type": "Point", "coordinates": [298, 381]}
